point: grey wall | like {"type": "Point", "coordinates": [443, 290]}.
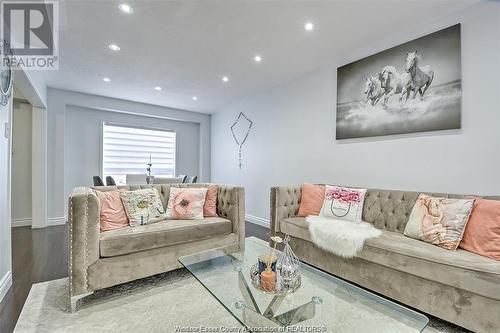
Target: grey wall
{"type": "Point", "coordinates": [63, 104]}
{"type": "Point", "coordinates": [82, 158]}
{"type": "Point", "coordinates": [292, 139]}
{"type": "Point", "coordinates": [5, 241]}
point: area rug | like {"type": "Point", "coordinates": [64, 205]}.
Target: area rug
{"type": "Point", "coordinates": [169, 302]}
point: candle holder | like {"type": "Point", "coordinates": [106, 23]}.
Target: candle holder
{"type": "Point", "coordinates": [277, 277]}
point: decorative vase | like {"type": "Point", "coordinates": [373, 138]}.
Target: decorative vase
{"type": "Point", "coordinates": [268, 280]}
{"type": "Point", "coordinates": [288, 267]}
{"type": "Point", "coordinates": [263, 260]}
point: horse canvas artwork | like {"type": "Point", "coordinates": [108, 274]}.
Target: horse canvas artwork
{"type": "Point", "coordinates": [413, 87]}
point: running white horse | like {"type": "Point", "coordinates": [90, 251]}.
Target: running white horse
{"type": "Point", "coordinates": [394, 82]}
{"type": "Point", "coordinates": [421, 77]}
{"type": "Point", "coordinates": [373, 90]}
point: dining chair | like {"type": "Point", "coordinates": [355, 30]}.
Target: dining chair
{"type": "Point", "coordinates": [136, 179]}
{"type": "Point", "coordinates": [98, 181]}
{"type": "Point", "coordinates": [167, 180]}
{"type": "Point", "coordinates": [110, 181]}
{"type": "Point", "coordinates": [191, 179]}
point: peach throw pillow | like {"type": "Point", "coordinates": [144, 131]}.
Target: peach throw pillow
{"type": "Point", "coordinates": [311, 200]}
{"type": "Point", "coordinates": [186, 203]}
{"type": "Point", "coordinates": [210, 206]}
{"type": "Point", "coordinates": [112, 214]}
{"type": "Point", "coordinates": [482, 234]}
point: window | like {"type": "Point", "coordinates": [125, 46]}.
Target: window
{"type": "Point", "coordinates": [127, 150]}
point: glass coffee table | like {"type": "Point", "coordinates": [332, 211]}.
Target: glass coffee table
{"type": "Point", "coordinates": [322, 303]}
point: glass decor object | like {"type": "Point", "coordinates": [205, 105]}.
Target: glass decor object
{"type": "Point", "coordinates": [288, 268]}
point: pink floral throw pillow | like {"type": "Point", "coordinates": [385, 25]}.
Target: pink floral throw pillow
{"type": "Point", "coordinates": [343, 203]}
{"type": "Point", "coordinates": [186, 203]}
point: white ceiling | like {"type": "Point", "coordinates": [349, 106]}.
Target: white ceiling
{"type": "Point", "coordinates": [187, 46]}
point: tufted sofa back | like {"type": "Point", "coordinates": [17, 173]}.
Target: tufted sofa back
{"type": "Point", "coordinates": [385, 209]}
{"type": "Point", "coordinates": [224, 198]}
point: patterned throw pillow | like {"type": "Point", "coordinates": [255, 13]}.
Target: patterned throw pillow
{"type": "Point", "coordinates": [143, 206]}
{"type": "Point", "coordinates": [439, 221]}
{"type": "Point", "coordinates": [186, 203]}
{"type": "Point", "coordinates": [343, 203]}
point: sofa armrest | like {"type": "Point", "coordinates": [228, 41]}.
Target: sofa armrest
{"type": "Point", "coordinates": [83, 216]}
{"type": "Point", "coordinates": [231, 205]}
{"type": "Point", "coordinates": [285, 202]}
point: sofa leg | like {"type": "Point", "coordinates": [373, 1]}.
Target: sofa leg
{"type": "Point", "coordinates": [74, 300]}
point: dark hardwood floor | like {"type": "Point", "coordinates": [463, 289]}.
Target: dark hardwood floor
{"type": "Point", "coordinates": [37, 255]}
{"type": "Point", "coordinates": [257, 231]}
{"type": "Point", "coordinates": [42, 255]}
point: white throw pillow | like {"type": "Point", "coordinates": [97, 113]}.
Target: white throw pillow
{"type": "Point", "coordinates": [343, 203]}
{"type": "Point", "coordinates": [186, 203]}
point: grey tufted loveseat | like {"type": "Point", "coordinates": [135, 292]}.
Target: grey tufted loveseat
{"type": "Point", "coordinates": [458, 286]}
{"type": "Point", "coordinates": [102, 259]}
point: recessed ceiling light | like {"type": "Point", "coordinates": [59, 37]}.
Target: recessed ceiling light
{"type": "Point", "coordinates": [106, 79]}
{"type": "Point", "coordinates": [225, 79]}
{"type": "Point", "coordinates": [258, 58]}
{"type": "Point", "coordinates": [114, 47]}
{"type": "Point", "coordinates": [126, 8]}
{"type": "Point", "coordinates": [309, 26]}
{"type": "Point", "coordinates": [158, 88]}
{"type": "Point", "coordinates": [195, 98]}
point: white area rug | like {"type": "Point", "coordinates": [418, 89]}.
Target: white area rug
{"type": "Point", "coordinates": [161, 303]}
{"type": "Point", "coordinates": [340, 237]}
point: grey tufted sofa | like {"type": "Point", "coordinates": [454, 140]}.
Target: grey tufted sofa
{"type": "Point", "coordinates": [102, 259]}
{"type": "Point", "coordinates": [458, 286]}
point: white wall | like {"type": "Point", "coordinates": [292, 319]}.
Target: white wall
{"type": "Point", "coordinates": [21, 163]}
{"type": "Point", "coordinates": [82, 157]}
{"type": "Point", "coordinates": [5, 239]}
{"type": "Point", "coordinates": [62, 103]}
{"type": "Point", "coordinates": [292, 139]}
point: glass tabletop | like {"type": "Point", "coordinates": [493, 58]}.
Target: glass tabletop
{"type": "Point", "coordinates": [322, 303]}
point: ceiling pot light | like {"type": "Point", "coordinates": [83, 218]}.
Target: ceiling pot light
{"type": "Point", "coordinates": [157, 88]}
{"type": "Point", "coordinates": [125, 8]}
{"type": "Point", "coordinates": [258, 58]}
{"type": "Point", "coordinates": [309, 26]}
{"type": "Point", "coordinates": [195, 98]}
{"type": "Point", "coordinates": [114, 47]}
{"type": "Point", "coordinates": [106, 79]}
{"type": "Point", "coordinates": [225, 79]}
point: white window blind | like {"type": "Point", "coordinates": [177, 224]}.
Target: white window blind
{"type": "Point", "coordinates": [127, 149]}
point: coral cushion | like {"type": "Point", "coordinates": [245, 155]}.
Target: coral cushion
{"type": "Point", "coordinates": [210, 206]}
{"type": "Point", "coordinates": [482, 234]}
{"type": "Point", "coordinates": [112, 214]}
{"type": "Point", "coordinates": [311, 200]}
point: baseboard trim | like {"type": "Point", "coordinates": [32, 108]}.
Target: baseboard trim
{"type": "Point", "coordinates": [22, 222]}
{"type": "Point", "coordinates": [257, 220]}
{"type": "Point", "coordinates": [5, 284]}
{"type": "Point", "coordinates": [56, 221]}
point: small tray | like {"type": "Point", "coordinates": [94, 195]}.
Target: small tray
{"type": "Point", "coordinates": [254, 270]}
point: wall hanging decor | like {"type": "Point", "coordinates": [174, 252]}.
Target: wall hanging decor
{"type": "Point", "coordinates": [413, 87]}
{"type": "Point", "coordinates": [240, 131]}
{"type": "Point", "coordinates": [6, 73]}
